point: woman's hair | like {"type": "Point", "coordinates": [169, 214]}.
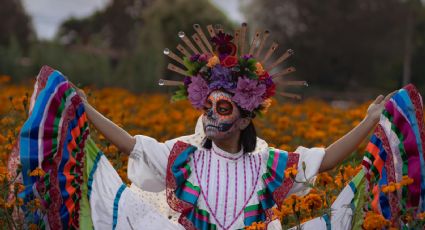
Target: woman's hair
{"type": "Point", "coordinates": [248, 136]}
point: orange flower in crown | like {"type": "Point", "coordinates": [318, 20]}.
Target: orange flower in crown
{"type": "Point", "coordinates": [222, 62]}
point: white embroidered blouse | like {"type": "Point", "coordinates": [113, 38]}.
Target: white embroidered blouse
{"type": "Point", "coordinates": [214, 189]}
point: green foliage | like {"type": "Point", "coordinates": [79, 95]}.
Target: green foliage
{"type": "Point", "coordinates": [136, 39]}
{"type": "Point", "coordinates": [80, 67]}
{"type": "Point", "coordinates": [192, 67]}
{"type": "Point", "coordinates": [247, 67]}
{"type": "Point", "coordinates": [10, 58]}
{"type": "Point", "coordinates": [180, 94]}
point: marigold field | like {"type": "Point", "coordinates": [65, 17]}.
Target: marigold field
{"type": "Point", "coordinates": [286, 125]}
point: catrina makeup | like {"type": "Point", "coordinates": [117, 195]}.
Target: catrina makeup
{"type": "Point", "coordinates": [220, 115]}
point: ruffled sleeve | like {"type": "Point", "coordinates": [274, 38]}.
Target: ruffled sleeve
{"type": "Point", "coordinates": [313, 159]}
{"type": "Point", "coordinates": [147, 163]}
{"type": "Point", "coordinates": [276, 186]}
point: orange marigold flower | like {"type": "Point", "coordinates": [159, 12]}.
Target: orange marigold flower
{"type": "Point", "coordinates": [325, 179]}
{"type": "Point", "coordinates": [256, 226]}
{"type": "Point", "coordinates": [421, 216]}
{"type": "Point", "coordinates": [33, 227]}
{"type": "Point", "coordinates": [406, 180]}
{"type": "Point", "coordinates": [375, 221]}
{"type": "Point", "coordinates": [291, 172]}
{"type": "Point", "coordinates": [19, 187]}
{"type": "Point", "coordinates": [20, 202]}
{"type": "Point", "coordinates": [259, 69]}
{"type": "Point", "coordinates": [391, 187]}
{"type": "Point", "coordinates": [37, 172]}
{"type": "Point", "coordinates": [3, 173]}
{"type": "Point", "coordinates": [311, 202]}
{"type": "Point", "coordinates": [214, 60]}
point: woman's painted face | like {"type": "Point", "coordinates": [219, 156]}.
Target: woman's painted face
{"type": "Point", "coordinates": [220, 115]}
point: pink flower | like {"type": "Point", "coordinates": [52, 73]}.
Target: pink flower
{"type": "Point", "coordinates": [249, 94]}
{"type": "Point", "coordinates": [198, 92]}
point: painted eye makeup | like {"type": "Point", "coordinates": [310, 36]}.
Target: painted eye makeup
{"type": "Point", "coordinates": [224, 107]}
{"type": "Point", "coordinates": [207, 105]}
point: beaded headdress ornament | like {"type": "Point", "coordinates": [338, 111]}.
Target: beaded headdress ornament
{"type": "Point", "coordinates": [226, 62]}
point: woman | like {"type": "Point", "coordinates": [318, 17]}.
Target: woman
{"type": "Point", "coordinates": [222, 177]}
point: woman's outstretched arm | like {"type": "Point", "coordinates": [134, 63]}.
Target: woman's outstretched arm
{"type": "Point", "coordinates": [115, 134]}
{"type": "Point", "coordinates": [343, 147]}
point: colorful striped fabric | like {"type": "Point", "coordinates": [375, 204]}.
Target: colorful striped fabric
{"type": "Point", "coordinates": [395, 150]}
{"type": "Point", "coordinates": [73, 191]}
{"type": "Point", "coordinates": [200, 219]}
{"type": "Point", "coordinates": [276, 186]}
{"type": "Point", "coordinates": [53, 139]}
{"type": "Point", "coordinates": [254, 213]}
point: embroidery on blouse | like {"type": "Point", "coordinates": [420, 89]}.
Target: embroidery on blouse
{"type": "Point", "coordinates": [255, 174]}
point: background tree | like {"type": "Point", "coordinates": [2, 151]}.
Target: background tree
{"type": "Point", "coordinates": [132, 35]}
{"type": "Point", "coordinates": [16, 35]}
{"type": "Point", "coordinates": [15, 24]}
{"type": "Point", "coordinates": [340, 45]}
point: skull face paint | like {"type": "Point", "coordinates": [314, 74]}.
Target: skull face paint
{"type": "Point", "coordinates": [220, 115]}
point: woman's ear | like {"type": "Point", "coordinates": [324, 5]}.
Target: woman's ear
{"type": "Point", "coordinates": [244, 122]}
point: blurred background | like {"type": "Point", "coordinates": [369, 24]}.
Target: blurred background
{"type": "Point", "coordinates": [344, 49]}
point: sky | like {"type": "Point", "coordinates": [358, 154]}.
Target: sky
{"type": "Point", "coordinates": [47, 15]}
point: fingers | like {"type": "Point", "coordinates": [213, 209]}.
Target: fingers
{"type": "Point", "coordinates": [378, 99]}
{"type": "Point", "coordinates": [390, 95]}
{"type": "Point", "coordinates": [381, 99]}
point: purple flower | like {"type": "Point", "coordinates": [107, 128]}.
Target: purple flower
{"type": "Point", "coordinates": [221, 77]}
{"type": "Point", "coordinates": [198, 92]}
{"type": "Point", "coordinates": [194, 57]}
{"type": "Point", "coordinates": [247, 56]}
{"type": "Point", "coordinates": [268, 81]}
{"type": "Point", "coordinates": [204, 58]}
{"type": "Point", "coordinates": [248, 93]}
{"type": "Point", "coordinates": [187, 80]}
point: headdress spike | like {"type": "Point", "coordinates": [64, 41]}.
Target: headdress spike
{"type": "Point", "coordinates": [183, 50]}
{"type": "Point", "coordinates": [263, 41]}
{"type": "Point", "coordinates": [236, 38]}
{"type": "Point", "coordinates": [176, 69]}
{"type": "Point", "coordinates": [294, 83]}
{"type": "Point", "coordinates": [269, 53]}
{"type": "Point", "coordinates": [198, 41]}
{"type": "Point", "coordinates": [284, 72]}
{"type": "Point", "coordinates": [290, 95]}
{"type": "Point", "coordinates": [242, 40]}
{"type": "Point", "coordinates": [173, 56]}
{"type": "Point", "coordinates": [282, 58]}
{"type": "Point", "coordinates": [211, 31]}
{"type": "Point", "coordinates": [163, 82]}
{"type": "Point", "coordinates": [199, 30]}
{"type": "Point", "coordinates": [254, 42]}
{"type": "Point", "coordinates": [188, 42]}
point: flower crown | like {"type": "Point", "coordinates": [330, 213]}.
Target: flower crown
{"type": "Point", "coordinates": [222, 63]}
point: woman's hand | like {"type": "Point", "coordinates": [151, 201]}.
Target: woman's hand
{"type": "Point", "coordinates": [343, 147]}
{"type": "Point", "coordinates": [115, 134]}
{"type": "Point", "coordinates": [80, 92]}
{"type": "Point", "coordinates": [375, 109]}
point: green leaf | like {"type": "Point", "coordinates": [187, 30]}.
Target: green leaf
{"type": "Point", "coordinates": [180, 94]}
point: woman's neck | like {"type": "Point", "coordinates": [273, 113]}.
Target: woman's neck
{"type": "Point", "coordinates": [230, 145]}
